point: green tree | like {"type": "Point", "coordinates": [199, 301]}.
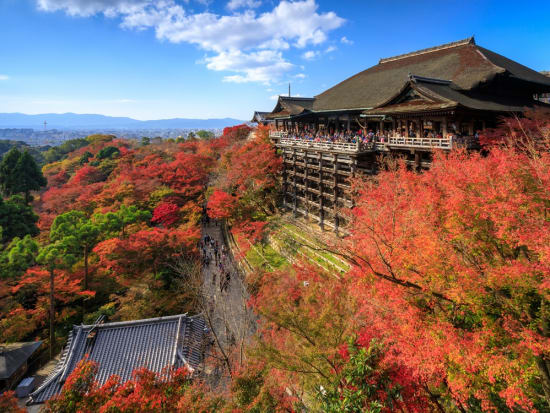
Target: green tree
{"type": "Point", "coordinates": [29, 175]}
{"type": "Point", "coordinates": [17, 219]}
{"type": "Point", "coordinates": [77, 235]}
{"type": "Point", "coordinates": [115, 223]}
{"type": "Point", "coordinates": [145, 141]}
{"type": "Point", "coordinates": [18, 256]}
{"type": "Point", "coordinates": [8, 177]}
{"type": "Point", "coordinates": [85, 157]}
{"type": "Point", "coordinates": [205, 134]}
{"type": "Point", "coordinates": [109, 152]}
{"type": "Point", "coordinates": [52, 257]}
{"type": "Point", "coordinates": [19, 173]}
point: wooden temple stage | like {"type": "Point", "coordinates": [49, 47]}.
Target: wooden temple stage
{"type": "Point", "coordinates": [409, 105]}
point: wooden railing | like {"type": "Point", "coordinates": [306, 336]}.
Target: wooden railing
{"type": "Point", "coordinates": [333, 146]}
{"type": "Point", "coordinates": [277, 134]}
{"type": "Point", "coordinates": [420, 142]}
{"type": "Point", "coordinates": [392, 141]}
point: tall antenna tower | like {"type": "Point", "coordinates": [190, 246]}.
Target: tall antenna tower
{"type": "Point", "coordinates": [288, 89]}
{"type": "Point", "coordinates": [45, 124]}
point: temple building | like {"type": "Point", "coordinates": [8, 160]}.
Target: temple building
{"type": "Point", "coordinates": [259, 118]}
{"type": "Point", "coordinates": [406, 105]}
{"type": "Point", "coordinates": [120, 348]}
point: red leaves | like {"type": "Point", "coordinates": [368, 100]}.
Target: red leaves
{"type": "Point", "coordinates": [221, 205]}
{"type": "Point", "coordinates": [237, 133]}
{"type": "Point", "coordinates": [166, 214]}
{"type": "Point", "coordinates": [474, 232]}
{"type": "Point", "coordinates": [145, 391]}
{"type": "Point", "coordinates": [8, 403]}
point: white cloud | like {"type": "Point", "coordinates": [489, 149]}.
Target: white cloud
{"type": "Point", "coordinates": [262, 66]}
{"type": "Point", "coordinates": [85, 8]}
{"type": "Point", "coordinates": [345, 40]}
{"type": "Point", "coordinates": [330, 49]}
{"type": "Point", "coordinates": [274, 97]}
{"type": "Point", "coordinates": [310, 55]}
{"type": "Point", "coordinates": [4, 77]}
{"type": "Point", "coordinates": [250, 42]}
{"type": "Point", "coordinates": [237, 4]}
{"type": "Point", "coordinates": [300, 76]}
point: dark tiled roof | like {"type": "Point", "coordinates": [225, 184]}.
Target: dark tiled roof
{"type": "Point", "coordinates": [259, 116]}
{"type": "Point", "coordinates": [290, 106]}
{"type": "Point", "coordinates": [444, 95]}
{"type": "Point", "coordinates": [120, 348]}
{"type": "Point", "coordinates": [464, 63]}
{"type": "Point", "coordinates": [13, 356]}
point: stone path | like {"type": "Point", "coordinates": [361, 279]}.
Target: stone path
{"type": "Point", "coordinates": [226, 298]}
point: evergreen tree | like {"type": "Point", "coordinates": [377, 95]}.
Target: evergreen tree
{"type": "Point", "coordinates": [8, 175]}
{"type": "Point", "coordinates": [19, 173]}
{"type": "Point", "coordinates": [17, 219]}
{"type": "Point", "coordinates": [29, 175]}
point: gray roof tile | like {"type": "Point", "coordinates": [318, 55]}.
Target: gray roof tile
{"type": "Point", "coordinates": [120, 348]}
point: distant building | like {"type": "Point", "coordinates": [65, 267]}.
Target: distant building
{"type": "Point", "coordinates": [122, 347]}
{"type": "Point", "coordinates": [14, 361]}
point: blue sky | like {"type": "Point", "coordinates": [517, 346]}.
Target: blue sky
{"type": "Point", "coordinates": [153, 59]}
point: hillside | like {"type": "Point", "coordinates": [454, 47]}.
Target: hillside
{"type": "Point", "coordinates": [435, 299]}
{"type": "Point", "coordinates": [91, 121]}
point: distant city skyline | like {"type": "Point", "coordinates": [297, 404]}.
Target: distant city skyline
{"type": "Point", "coordinates": [162, 59]}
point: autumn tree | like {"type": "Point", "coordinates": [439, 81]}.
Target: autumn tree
{"type": "Point", "coordinates": [145, 391]}
{"type": "Point", "coordinates": [451, 265]}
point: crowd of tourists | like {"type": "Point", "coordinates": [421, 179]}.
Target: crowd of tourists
{"type": "Point", "coordinates": [216, 257]}
{"type": "Point", "coordinates": [363, 137]}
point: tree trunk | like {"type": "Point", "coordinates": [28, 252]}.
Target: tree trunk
{"type": "Point", "coordinates": [52, 314]}
{"type": "Point", "coordinates": [85, 267]}
{"type": "Point", "coordinates": [544, 368]}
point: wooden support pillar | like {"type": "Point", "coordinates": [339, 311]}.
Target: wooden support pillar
{"type": "Point", "coordinates": [306, 179]}
{"type": "Point", "coordinates": [285, 177]}
{"type": "Point", "coordinates": [417, 159]}
{"type": "Point", "coordinates": [444, 128]}
{"type": "Point", "coordinates": [406, 128]}
{"type": "Point", "coordinates": [321, 193]}
{"type": "Point", "coordinates": [335, 191]}
{"type": "Point", "coordinates": [348, 125]}
{"type": "Point", "coordinates": [381, 127]}
{"type": "Point", "coordinates": [295, 191]}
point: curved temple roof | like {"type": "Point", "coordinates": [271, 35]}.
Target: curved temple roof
{"type": "Point", "coordinates": [464, 63]}
{"type": "Point", "coordinates": [120, 348]}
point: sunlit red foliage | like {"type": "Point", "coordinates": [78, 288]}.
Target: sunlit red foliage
{"type": "Point", "coordinates": [8, 403]}
{"type": "Point", "coordinates": [237, 133]}
{"type": "Point", "coordinates": [145, 251]}
{"type": "Point", "coordinates": [449, 265]}
{"type": "Point", "coordinates": [145, 392]}
{"type": "Point", "coordinates": [166, 213]}
{"type": "Point", "coordinates": [21, 320]}
{"type": "Point", "coordinates": [221, 205]}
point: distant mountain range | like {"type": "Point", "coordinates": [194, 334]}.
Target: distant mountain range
{"type": "Point", "coordinates": [84, 121]}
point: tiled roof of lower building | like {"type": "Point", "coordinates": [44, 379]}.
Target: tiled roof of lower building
{"type": "Point", "coordinates": [122, 347]}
